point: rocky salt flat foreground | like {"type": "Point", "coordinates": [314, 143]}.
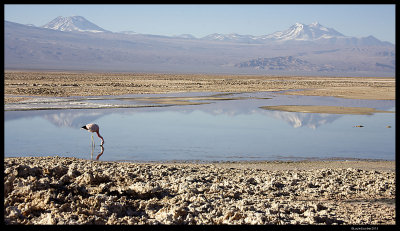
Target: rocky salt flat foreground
{"type": "Point", "coordinates": [55, 190]}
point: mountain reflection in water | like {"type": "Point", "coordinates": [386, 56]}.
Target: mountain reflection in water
{"type": "Point", "coordinates": [220, 130]}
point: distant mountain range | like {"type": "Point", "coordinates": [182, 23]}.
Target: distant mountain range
{"type": "Point", "coordinates": [297, 32]}
{"type": "Point", "coordinates": [284, 63]}
{"type": "Point", "coordinates": [76, 43]}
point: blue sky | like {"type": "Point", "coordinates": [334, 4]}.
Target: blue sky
{"type": "Point", "coordinates": [359, 20]}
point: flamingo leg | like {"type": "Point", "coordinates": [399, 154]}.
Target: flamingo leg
{"type": "Point", "coordinates": [91, 154]}
{"type": "Point", "coordinates": [92, 146]}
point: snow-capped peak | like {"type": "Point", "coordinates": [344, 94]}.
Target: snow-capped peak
{"type": "Point", "coordinates": [300, 31]}
{"type": "Point", "coordinates": [300, 25]}
{"type": "Point", "coordinates": [73, 23]}
{"type": "Point", "coordinates": [315, 24]}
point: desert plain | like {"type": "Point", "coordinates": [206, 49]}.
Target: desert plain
{"type": "Point", "coordinates": [19, 83]}
{"type": "Point", "coordinates": [56, 190]}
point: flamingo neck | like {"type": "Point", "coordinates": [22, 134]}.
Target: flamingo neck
{"type": "Point", "coordinates": [102, 140]}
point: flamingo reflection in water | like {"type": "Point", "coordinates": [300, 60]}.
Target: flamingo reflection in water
{"type": "Point", "coordinates": [98, 155]}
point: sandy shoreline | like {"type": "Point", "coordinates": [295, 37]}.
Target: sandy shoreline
{"type": "Point", "coordinates": [30, 83]}
{"type": "Point", "coordinates": [56, 190]}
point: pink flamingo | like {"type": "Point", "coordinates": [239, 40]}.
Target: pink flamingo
{"type": "Point", "coordinates": [94, 128]}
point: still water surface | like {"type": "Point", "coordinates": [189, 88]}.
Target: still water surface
{"type": "Point", "coordinates": [222, 130]}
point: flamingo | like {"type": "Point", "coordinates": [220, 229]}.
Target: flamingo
{"type": "Point", "coordinates": [94, 128]}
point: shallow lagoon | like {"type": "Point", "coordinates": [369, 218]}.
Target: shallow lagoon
{"type": "Point", "coordinates": [217, 127]}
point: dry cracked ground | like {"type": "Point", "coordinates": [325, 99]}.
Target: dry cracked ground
{"type": "Point", "coordinates": [55, 190]}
